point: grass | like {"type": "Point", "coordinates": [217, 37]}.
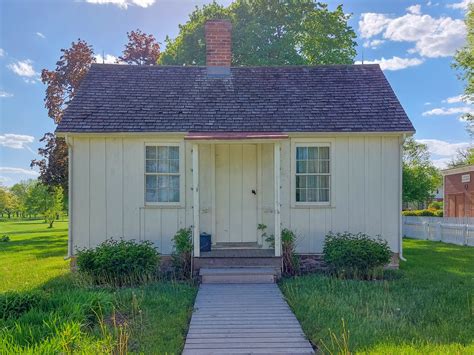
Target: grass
{"type": "Point", "coordinates": [55, 313]}
{"type": "Point", "coordinates": [427, 307]}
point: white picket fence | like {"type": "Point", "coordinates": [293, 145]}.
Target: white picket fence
{"type": "Point", "coordinates": [445, 229]}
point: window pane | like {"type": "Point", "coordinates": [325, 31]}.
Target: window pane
{"type": "Point", "coordinates": [174, 166]}
{"type": "Point", "coordinates": [163, 166]}
{"type": "Point", "coordinates": [163, 195]}
{"type": "Point", "coordinates": [162, 153]}
{"type": "Point", "coordinates": [300, 195]}
{"type": "Point", "coordinates": [312, 166]}
{"type": "Point", "coordinates": [174, 182]}
{"type": "Point", "coordinates": [323, 152]}
{"type": "Point", "coordinates": [323, 167]}
{"type": "Point", "coordinates": [151, 166]}
{"type": "Point", "coordinates": [313, 153]}
{"type": "Point", "coordinates": [311, 181]}
{"type": "Point", "coordinates": [174, 195]}
{"type": "Point", "coordinates": [323, 182]}
{"type": "Point", "coordinates": [324, 195]}
{"type": "Point", "coordinates": [173, 153]}
{"type": "Point", "coordinates": [162, 182]}
{"type": "Point", "coordinates": [301, 153]}
{"type": "Point", "coordinates": [301, 167]}
{"type": "Point", "coordinates": [150, 152]}
{"type": "Point", "coordinates": [312, 195]}
{"type": "Point", "coordinates": [300, 182]}
{"type": "Point", "coordinates": [151, 182]}
{"type": "Point", "coordinates": [151, 195]}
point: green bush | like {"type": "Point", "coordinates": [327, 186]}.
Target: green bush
{"type": "Point", "coordinates": [182, 253]}
{"type": "Point", "coordinates": [119, 262]}
{"type": "Point", "coordinates": [423, 213]}
{"type": "Point", "coordinates": [355, 255]}
{"type": "Point", "coordinates": [435, 205]}
{"type": "Point", "coordinates": [14, 304]}
{"type": "Point", "coordinates": [5, 238]}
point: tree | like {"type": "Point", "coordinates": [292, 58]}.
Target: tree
{"type": "Point", "coordinates": [268, 32]}
{"type": "Point", "coordinates": [55, 205]}
{"type": "Point", "coordinates": [420, 177]}
{"type": "Point", "coordinates": [62, 84]}
{"type": "Point", "coordinates": [141, 49]}
{"type": "Point", "coordinates": [463, 157]}
{"type": "Point", "coordinates": [464, 62]}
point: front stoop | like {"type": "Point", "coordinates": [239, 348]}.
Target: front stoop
{"type": "Point", "coordinates": [235, 275]}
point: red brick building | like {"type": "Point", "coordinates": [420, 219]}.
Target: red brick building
{"type": "Point", "coordinates": [459, 192]}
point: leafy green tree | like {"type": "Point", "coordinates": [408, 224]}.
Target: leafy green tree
{"type": "Point", "coordinates": [464, 62]}
{"type": "Point", "coordinates": [269, 32]}
{"type": "Point", "coordinates": [420, 176]}
{"type": "Point", "coordinates": [38, 199]}
{"type": "Point", "coordinates": [463, 157]}
{"type": "Point", "coordinates": [55, 205]}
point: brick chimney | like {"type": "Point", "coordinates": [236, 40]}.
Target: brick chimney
{"type": "Point", "coordinates": [218, 45]}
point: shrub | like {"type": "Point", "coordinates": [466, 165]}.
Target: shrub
{"type": "Point", "coordinates": [182, 253]}
{"type": "Point", "coordinates": [5, 238]}
{"type": "Point", "coordinates": [119, 262]}
{"type": "Point", "coordinates": [14, 304]}
{"type": "Point", "coordinates": [355, 255]}
{"type": "Point", "coordinates": [423, 213]}
{"type": "Point", "coordinates": [288, 246]}
{"type": "Point", "coordinates": [435, 205]}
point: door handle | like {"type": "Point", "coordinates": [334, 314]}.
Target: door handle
{"type": "Point", "coordinates": [254, 192]}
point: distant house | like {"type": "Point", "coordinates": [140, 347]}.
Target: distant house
{"type": "Point", "coordinates": [221, 149]}
{"type": "Point", "coordinates": [459, 191]}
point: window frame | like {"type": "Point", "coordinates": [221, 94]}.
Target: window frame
{"type": "Point", "coordinates": [181, 173]}
{"type": "Point", "coordinates": [296, 143]}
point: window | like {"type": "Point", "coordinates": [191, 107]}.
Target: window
{"type": "Point", "coordinates": [312, 174]}
{"type": "Point", "coordinates": [162, 174]}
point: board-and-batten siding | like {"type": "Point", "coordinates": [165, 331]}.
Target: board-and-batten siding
{"type": "Point", "coordinates": [365, 194]}
{"type": "Point", "coordinates": [108, 192]}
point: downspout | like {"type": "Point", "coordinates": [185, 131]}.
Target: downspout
{"type": "Point", "coordinates": [69, 202]}
{"type": "Point", "coordinates": [400, 199]}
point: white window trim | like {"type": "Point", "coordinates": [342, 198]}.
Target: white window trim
{"type": "Point", "coordinates": [308, 142]}
{"type": "Point", "coordinates": [182, 190]}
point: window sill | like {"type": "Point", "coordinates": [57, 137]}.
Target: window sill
{"type": "Point", "coordinates": [163, 206]}
{"type": "Point", "coordinates": [313, 205]}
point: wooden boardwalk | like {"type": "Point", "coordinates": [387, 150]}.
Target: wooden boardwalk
{"type": "Point", "coordinates": [244, 319]}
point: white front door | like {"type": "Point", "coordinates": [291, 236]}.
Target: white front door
{"type": "Point", "coordinates": [236, 193]}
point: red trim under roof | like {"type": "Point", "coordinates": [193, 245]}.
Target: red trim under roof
{"type": "Point", "coordinates": [235, 135]}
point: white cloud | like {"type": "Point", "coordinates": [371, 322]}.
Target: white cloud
{"type": "Point", "coordinates": [2, 52]}
{"type": "Point", "coordinates": [4, 94]}
{"type": "Point", "coordinates": [39, 34]}
{"type": "Point", "coordinates": [443, 148]}
{"type": "Point", "coordinates": [443, 111]}
{"type": "Point", "coordinates": [433, 37]}
{"type": "Point", "coordinates": [108, 59]}
{"type": "Point", "coordinates": [24, 68]}
{"type": "Point", "coordinates": [123, 3]}
{"type": "Point", "coordinates": [414, 9]}
{"type": "Point", "coordinates": [462, 5]}
{"type": "Point", "coordinates": [395, 63]}
{"type": "Point", "coordinates": [444, 151]}
{"type": "Point", "coordinates": [427, 103]}
{"type": "Point", "coordinates": [374, 43]}
{"type": "Point", "coordinates": [21, 171]}
{"type": "Point", "coordinates": [371, 24]}
{"type": "Point", "coordinates": [457, 99]}
{"type": "Point", "coordinates": [15, 141]}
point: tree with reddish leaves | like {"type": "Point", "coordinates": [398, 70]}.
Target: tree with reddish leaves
{"type": "Point", "coordinates": [141, 49]}
{"type": "Point", "coordinates": [62, 84]}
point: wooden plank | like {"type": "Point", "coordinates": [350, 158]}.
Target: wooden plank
{"type": "Point", "coordinates": [196, 243]}
{"type": "Point", "coordinates": [244, 318]}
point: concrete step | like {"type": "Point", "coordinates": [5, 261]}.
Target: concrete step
{"type": "Point", "coordinates": [235, 275]}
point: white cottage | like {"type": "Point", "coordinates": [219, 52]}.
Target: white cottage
{"type": "Point", "coordinates": [221, 149]}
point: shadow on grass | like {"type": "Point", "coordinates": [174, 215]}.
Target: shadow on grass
{"type": "Point", "coordinates": [41, 247]}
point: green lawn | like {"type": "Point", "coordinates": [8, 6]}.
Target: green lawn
{"type": "Point", "coordinates": [426, 308]}
{"type": "Point", "coordinates": [58, 314]}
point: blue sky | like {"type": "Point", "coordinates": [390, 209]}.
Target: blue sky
{"type": "Point", "coordinates": [412, 40]}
